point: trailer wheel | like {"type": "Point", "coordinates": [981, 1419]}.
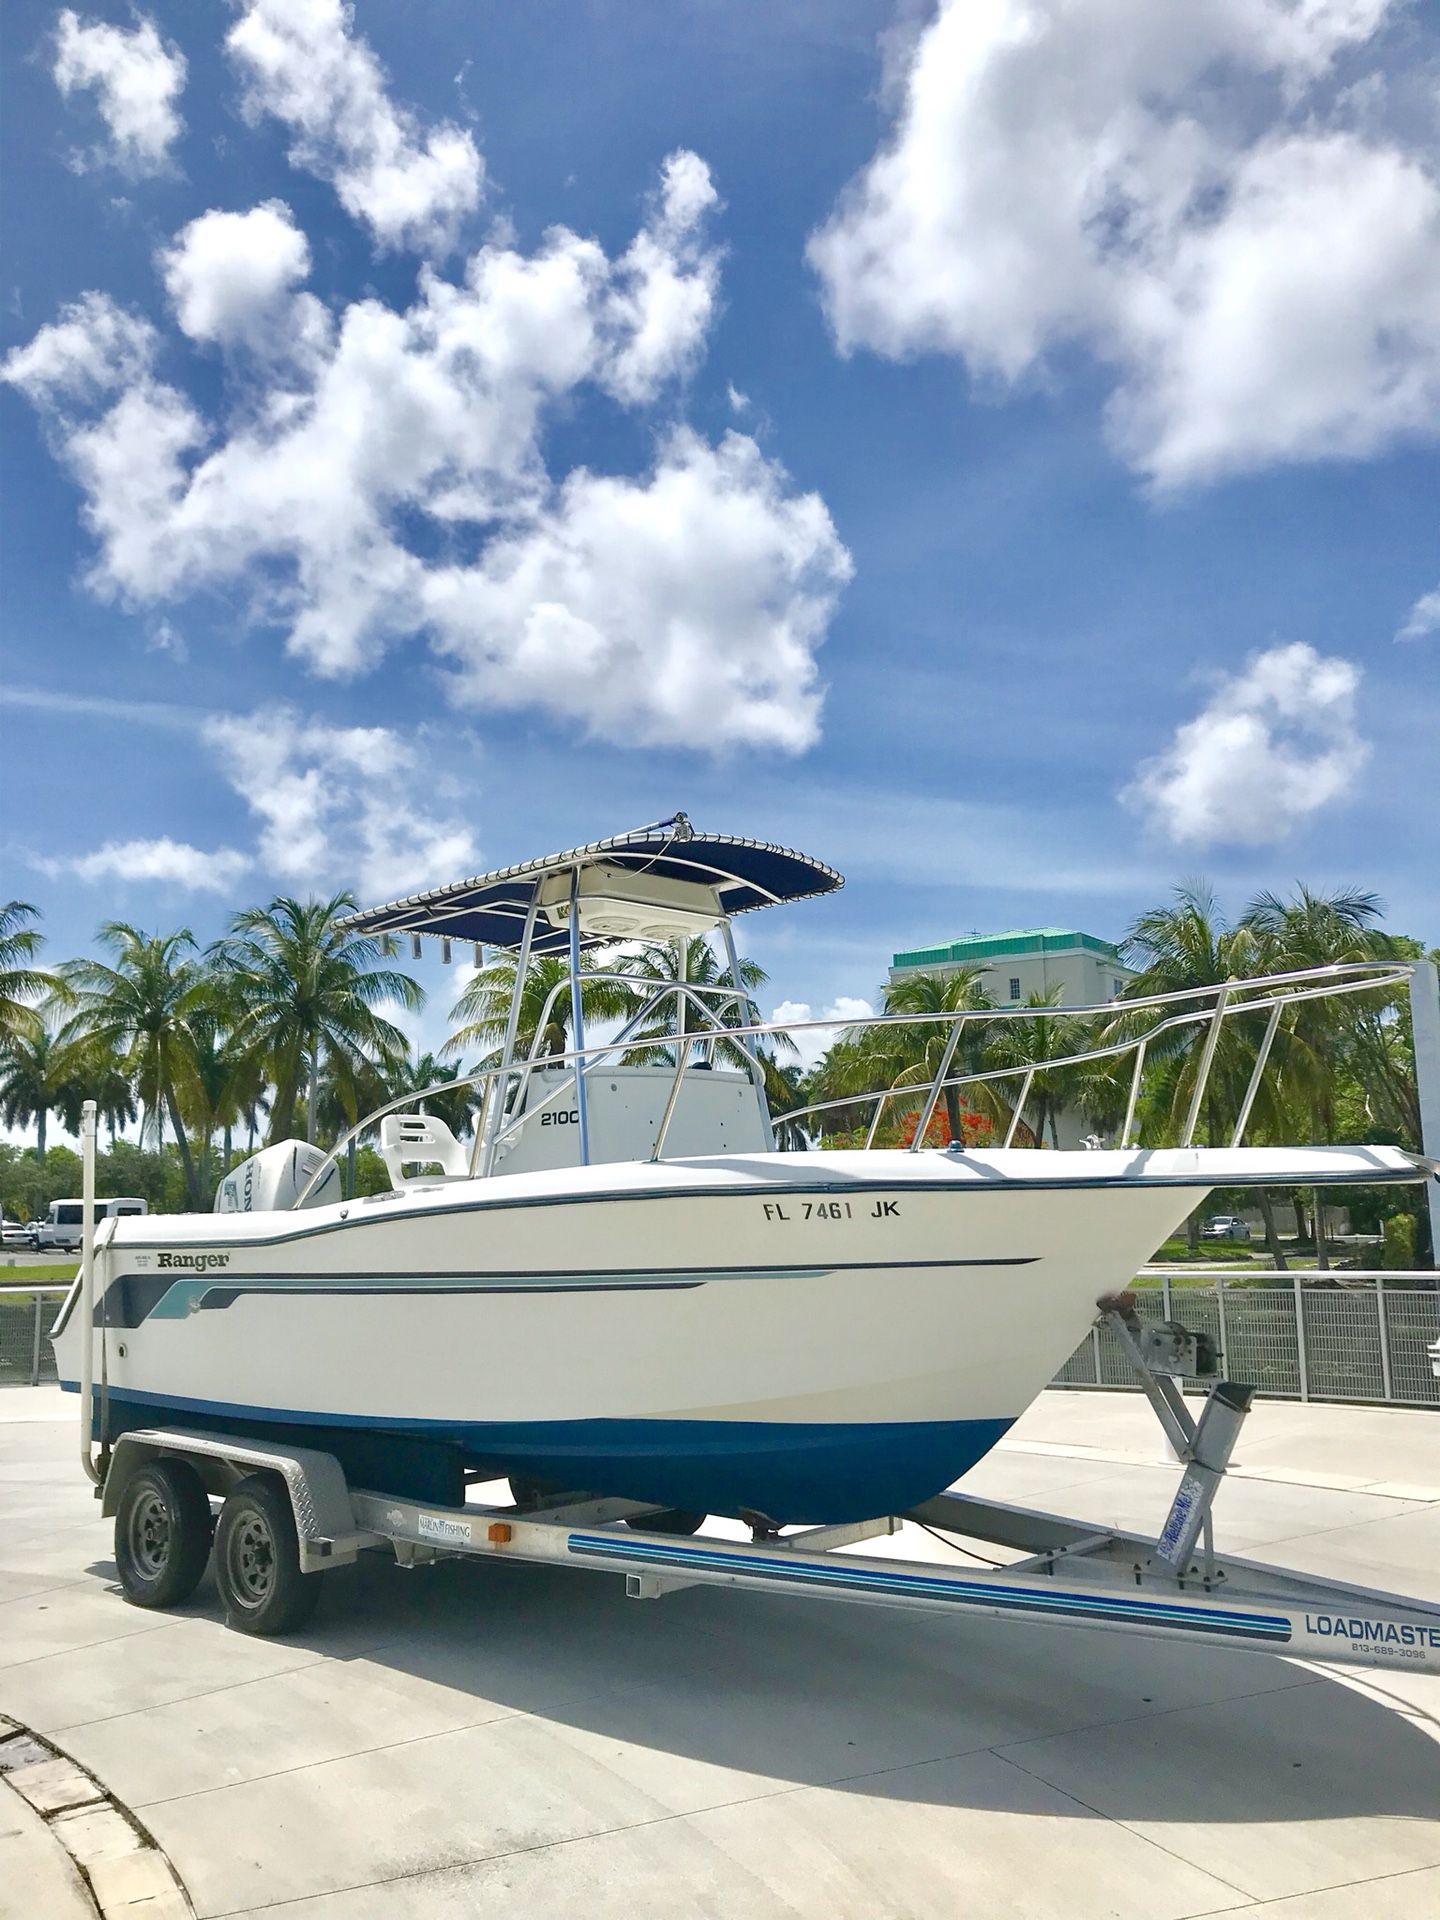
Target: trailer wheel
{"type": "Point", "coordinates": [257, 1561]}
{"type": "Point", "coordinates": [668, 1520]}
{"type": "Point", "coordinates": [162, 1534]}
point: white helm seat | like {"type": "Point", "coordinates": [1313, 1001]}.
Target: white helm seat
{"type": "Point", "coordinates": [420, 1140]}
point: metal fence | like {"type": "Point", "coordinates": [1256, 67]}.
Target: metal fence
{"type": "Point", "coordinates": [26, 1317]}
{"type": "Point", "coordinates": [1365, 1339]}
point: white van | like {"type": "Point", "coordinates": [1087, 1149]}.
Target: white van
{"type": "Point", "coordinates": [63, 1226]}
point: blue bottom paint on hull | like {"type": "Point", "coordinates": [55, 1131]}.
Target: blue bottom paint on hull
{"type": "Point", "coordinates": [818, 1473]}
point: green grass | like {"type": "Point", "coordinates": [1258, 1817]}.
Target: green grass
{"type": "Point", "coordinates": [16, 1275]}
{"type": "Point", "coordinates": [1180, 1281]}
{"type": "Point", "coordinates": [1235, 1255]}
{"type": "Point", "coordinates": [1177, 1280]}
{"type": "Point", "coordinates": [1210, 1253]}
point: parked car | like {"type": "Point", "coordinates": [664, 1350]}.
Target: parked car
{"type": "Point", "coordinates": [16, 1233]}
{"type": "Point", "coordinates": [1225, 1226]}
{"type": "Point", "coordinates": [61, 1230]}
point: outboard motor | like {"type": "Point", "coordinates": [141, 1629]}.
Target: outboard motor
{"type": "Point", "coordinates": [270, 1181]}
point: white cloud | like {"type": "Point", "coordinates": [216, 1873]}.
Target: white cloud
{"type": "Point", "coordinates": [1174, 189]}
{"type": "Point", "coordinates": [362, 454]}
{"type": "Point", "coordinates": [664, 291]}
{"type": "Point", "coordinates": [164, 638]}
{"type": "Point", "coordinates": [686, 606]}
{"type": "Point", "coordinates": [303, 66]}
{"type": "Point", "coordinates": [1423, 618]}
{"type": "Point", "coordinates": [465, 972]}
{"type": "Point", "coordinates": [136, 80]}
{"type": "Point", "coordinates": [1274, 743]}
{"type": "Point", "coordinates": [334, 806]}
{"type": "Point", "coordinates": [93, 348]}
{"type": "Point", "coordinates": [811, 1047]}
{"type": "Point", "coordinates": [338, 804]}
{"type": "Point", "coordinates": [129, 463]}
{"type": "Point", "coordinates": [167, 860]}
{"type": "Point", "coordinates": [230, 275]}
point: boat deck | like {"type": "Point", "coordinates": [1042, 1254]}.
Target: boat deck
{"type": "Point", "coordinates": [481, 1739]}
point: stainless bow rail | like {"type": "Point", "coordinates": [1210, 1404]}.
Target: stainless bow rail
{"type": "Point", "coordinates": [1209, 1008]}
{"type": "Point", "coordinates": [1135, 1030]}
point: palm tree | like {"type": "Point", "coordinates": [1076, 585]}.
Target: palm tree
{"type": "Point", "coordinates": [1381, 1050]}
{"type": "Point", "coordinates": [141, 1006]}
{"type": "Point", "coordinates": [345, 1095]}
{"type": "Point", "coordinates": [1181, 949]}
{"type": "Point", "coordinates": [847, 1067]}
{"type": "Point", "coordinates": [108, 1084]}
{"type": "Point", "coordinates": [308, 991]}
{"type": "Point", "coordinates": [1025, 1043]}
{"type": "Point", "coordinates": [697, 964]}
{"type": "Point", "coordinates": [483, 1008]}
{"type": "Point", "coordinates": [38, 1077]}
{"type": "Point", "coordinates": [785, 1089]}
{"type": "Point", "coordinates": [22, 983]}
{"type": "Point", "coordinates": [946, 993]}
{"type": "Point", "coordinates": [424, 1075]}
{"type": "Point", "coordinates": [350, 1091]}
{"type": "Point", "coordinates": [1317, 930]}
{"type": "Point", "coordinates": [224, 1075]}
{"type": "Point", "coordinates": [345, 1098]}
{"type": "Point", "coordinates": [104, 1073]}
{"type": "Point", "coordinates": [871, 1059]}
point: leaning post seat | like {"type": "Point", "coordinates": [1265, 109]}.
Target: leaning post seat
{"type": "Point", "coordinates": [420, 1140]}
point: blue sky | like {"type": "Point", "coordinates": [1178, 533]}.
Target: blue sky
{"type": "Point", "coordinates": [999, 462]}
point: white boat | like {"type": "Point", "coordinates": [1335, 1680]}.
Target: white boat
{"type": "Point", "coordinates": [623, 1287]}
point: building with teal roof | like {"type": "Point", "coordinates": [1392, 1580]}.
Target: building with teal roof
{"type": "Point", "coordinates": [1026, 961]}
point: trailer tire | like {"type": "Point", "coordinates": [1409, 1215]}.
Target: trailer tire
{"type": "Point", "coordinates": [668, 1520]}
{"type": "Point", "coordinates": [257, 1560]}
{"type": "Point", "coordinates": [163, 1531]}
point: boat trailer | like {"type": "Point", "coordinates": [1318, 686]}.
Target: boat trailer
{"type": "Point", "coordinates": [289, 1515]}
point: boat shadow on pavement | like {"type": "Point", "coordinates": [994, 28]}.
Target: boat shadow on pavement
{"type": "Point", "coordinates": [477, 1730]}
{"type": "Point", "coordinates": [827, 1694]}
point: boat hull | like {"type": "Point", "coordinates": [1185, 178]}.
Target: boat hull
{"type": "Point", "coordinates": [813, 1338]}
{"type": "Point", "coordinates": [786, 1339]}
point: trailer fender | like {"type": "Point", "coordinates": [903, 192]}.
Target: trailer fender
{"type": "Point", "coordinates": [313, 1480]}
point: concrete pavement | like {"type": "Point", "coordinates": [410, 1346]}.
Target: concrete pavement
{"type": "Point", "coordinates": [478, 1740]}
{"type": "Point", "coordinates": [67, 1851]}
{"type": "Point", "coordinates": [37, 1875]}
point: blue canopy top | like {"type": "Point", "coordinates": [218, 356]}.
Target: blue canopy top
{"type": "Point", "coordinates": [491, 909]}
